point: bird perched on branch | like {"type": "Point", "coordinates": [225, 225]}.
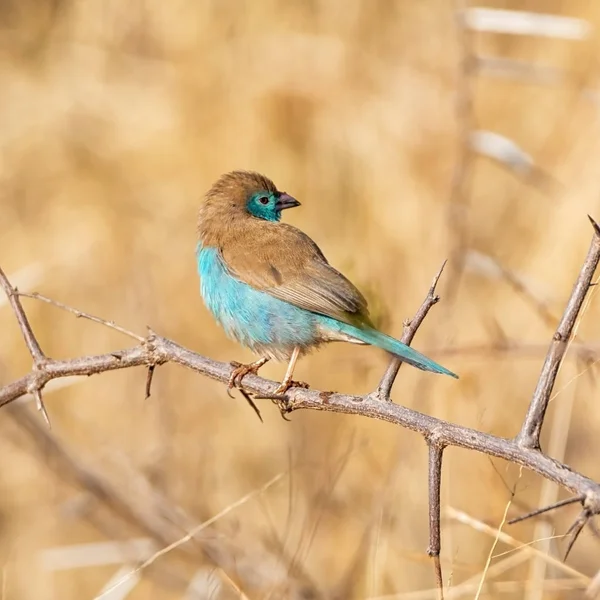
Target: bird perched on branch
{"type": "Point", "coordinates": [270, 287]}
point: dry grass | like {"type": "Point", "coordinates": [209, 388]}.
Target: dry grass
{"type": "Point", "coordinates": [115, 117]}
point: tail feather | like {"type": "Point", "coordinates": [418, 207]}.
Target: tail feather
{"type": "Point", "coordinates": [393, 346]}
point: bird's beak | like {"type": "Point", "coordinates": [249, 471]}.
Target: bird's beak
{"type": "Point", "coordinates": [286, 201]}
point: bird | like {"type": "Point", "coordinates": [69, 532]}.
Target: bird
{"type": "Point", "coordinates": [271, 288]}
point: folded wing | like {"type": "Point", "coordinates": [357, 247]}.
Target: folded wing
{"type": "Point", "coordinates": [285, 263]}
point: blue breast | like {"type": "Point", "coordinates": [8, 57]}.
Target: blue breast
{"type": "Point", "coordinates": [255, 319]}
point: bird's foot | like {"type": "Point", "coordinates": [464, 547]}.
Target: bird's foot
{"type": "Point", "coordinates": [240, 371]}
{"type": "Point", "coordinates": [281, 399]}
{"type": "Point", "coordinates": [284, 386]}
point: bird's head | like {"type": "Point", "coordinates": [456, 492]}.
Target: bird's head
{"type": "Point", "coordinates": [238, 195]}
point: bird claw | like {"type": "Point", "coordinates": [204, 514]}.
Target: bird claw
{"type": "Point", "coordinates": [286, 385]}
{"type": "Point", "coordinates": [235, 381]}
{"type": "Point", "coordinates": [281, 399]}
{"type": "Point", "coordinates": [239, 372]}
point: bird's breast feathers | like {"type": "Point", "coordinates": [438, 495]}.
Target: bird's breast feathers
{"type": "Point", "coordinates": [268, 326]}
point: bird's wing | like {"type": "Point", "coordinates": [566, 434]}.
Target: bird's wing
{"type": "Point", "coordinates": [285, 263]}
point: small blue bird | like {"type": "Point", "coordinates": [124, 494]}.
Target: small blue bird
{"type": "Point", "coordinates": [270, 287]}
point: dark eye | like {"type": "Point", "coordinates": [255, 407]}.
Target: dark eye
{"type": "Point", "coordinates": [264, 200]}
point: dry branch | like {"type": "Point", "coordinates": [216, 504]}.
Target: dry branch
{"type": "Point", "coordinates": [410, 329]}
{"type": "Point", "coordinates": [523, 450]}
{"type": "Point", "coordinates": [529, 436]}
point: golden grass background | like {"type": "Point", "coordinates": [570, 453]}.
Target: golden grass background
{"type": "Point", "coordinates": [115, 117]}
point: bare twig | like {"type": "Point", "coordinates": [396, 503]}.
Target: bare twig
{"type": "Point", "coordinates": [39, 358]}
{"type": "Point", "coordinates": [436, 452]}
{"type": "Point", "coordinates": [529, 436]}
{"type": "Point", "coordinates": [528, 549]}
{"type": "Point", "coordinates": [410, 329]}
{"type": "Point", "coordinates": [81, 315]}
{"type": "Point", "coordinates": [491, 552]}
{"type": "Point", "coordinates": [540, 511]}
{"type": "Point", "coordinates": [576, 529]}
{"type": "Point", "coordinates": [32, 344]}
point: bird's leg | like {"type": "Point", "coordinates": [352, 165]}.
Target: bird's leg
{"type": "Point", "coordinates": [288, 382]}
{"type": "Point", "coordinates": [285, 385]}
{"type": "Point", "coordinates": [240, 371]}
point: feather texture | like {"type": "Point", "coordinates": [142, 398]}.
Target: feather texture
{"type": "Point", "coordinates": [285, 263]}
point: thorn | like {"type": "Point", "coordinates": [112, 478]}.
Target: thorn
{"type": "Point", "coordinates": [281, 400]}
{"type": "Point", "coordinates": [594, 225]}
{"type": "Point", "coordinates": [149, 380]}
{"type": "Point", "coordinates": [575, 530]}
{"type": "Point", "coordinates": [437, 276]}
{"type": "Point", "coordinates": [117, 355]}
{"type": "Point", "coordinates": [539, 511]}
{"type": "Point", "coordinates": [249, 400]}
{"type": "Point", "coordinates": [39, 403]}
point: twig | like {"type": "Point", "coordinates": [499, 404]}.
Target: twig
{"type": "Point", "coordinates": [436, 452]}
{"type": "Point", "coordinates": [576, 529]}
{"type": "Point", "coordinates": [32, 344]}
{"type": "Point", "coordinates": [503, 537]}
{"type": "Point", "coordinates": [491, 552]}
{"type": "Point", "coordinates": [529, 436]}
{"type": "Point", "coordinates": [556, 446]}
{"type": "Point", "coordinates": [540, 511]}
{"type": "Point", "coordinates": [410, 329]}
{"type": "Point", "coordinates": [80, 314]}
{"type": "Point", "coordinates": [39, 358]}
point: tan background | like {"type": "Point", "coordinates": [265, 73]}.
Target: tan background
{"type": "Point", "coordinates": [115, 117]}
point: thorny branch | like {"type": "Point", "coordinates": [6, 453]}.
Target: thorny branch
{"type": "Point", "coordinates": [529, 435]}
{"type": "Point", "coordinates": [410, 329]}
{"type": "Point", "coordinates": [522, 450]}
{"type": "Point", "coordinates": [39, 358]}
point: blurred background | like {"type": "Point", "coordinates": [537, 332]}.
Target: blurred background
{"type": "Point", "coordinates": [411, 133]}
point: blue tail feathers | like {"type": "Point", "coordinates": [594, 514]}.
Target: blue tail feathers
{"type": "Point", "coordinates": [395, 347]}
